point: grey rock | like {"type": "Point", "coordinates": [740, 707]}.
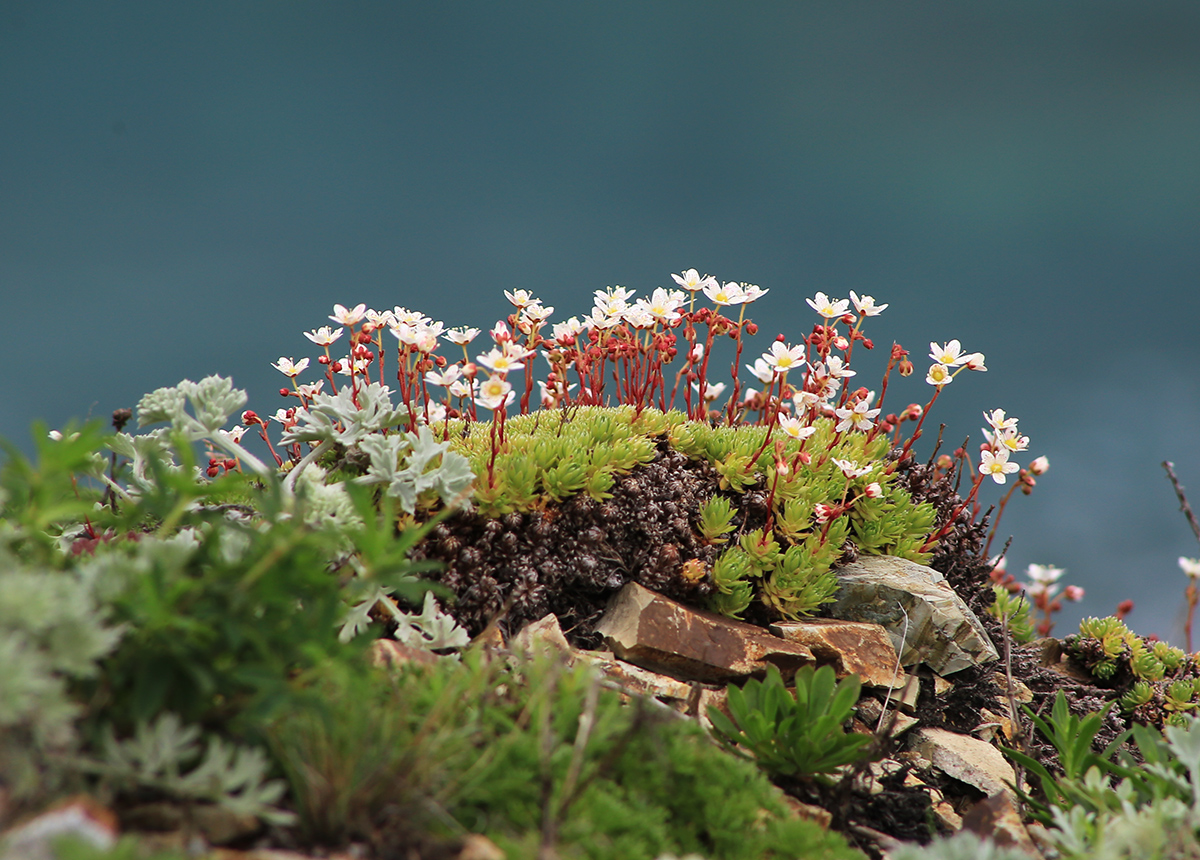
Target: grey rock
{"type": "Point", "coordinates": [940, 631]}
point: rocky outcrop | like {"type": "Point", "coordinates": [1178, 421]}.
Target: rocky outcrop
{"type": "Point", "coordinates": [928, 623]}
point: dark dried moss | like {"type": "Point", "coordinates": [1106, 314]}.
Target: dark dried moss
{"type": "Point", "coordinates": [570, 558]}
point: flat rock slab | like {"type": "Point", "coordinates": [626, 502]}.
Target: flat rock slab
{"type": "Point", "coordinates": [850, 647]}
{"type": "Point", "coordinates": [928, 623]}
{"type": "Point", "coordinates": [658, 634]}
{"type": "Point", "coordinates": [966, 759]}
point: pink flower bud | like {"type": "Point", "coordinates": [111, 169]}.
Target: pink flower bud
{"type": "Point", "coordinates": [824, 513]}
{"type": "Point", "coordinates": [873, 490]}
{"type": "Point", "coordinates": [1039, 466]}
{"type": "Point", "coordinates": [1073, 592]}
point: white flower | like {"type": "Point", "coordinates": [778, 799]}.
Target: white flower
{"type": "Point", "coordinates": [323, 336]}
{"type": "Point", "coordinates": [1009, 440]}
{"type": "Point", "coordinates": [662, 305]}
{"type": "Point", "coordinates": [311, 389]}
{"type": "Point", "coordinates": [783, 357]}
{"type": "Point", "coordinates": [404, 315]}
{"type": "Point", "coordinates": [974, 361]}
{"type": "Point", "coordinates": [500, 332]}
{"type": "Point", "coordinates": [762, 371]}
{"type": "Point", "coordinates": [379, 319]}
{"type": "Point", "coordinates": [753, 292]}
{"type": "Point", "coordinates": [872, 490]}
{"type": "Point", "coordinates": [282, 416]}
{"type": "Point", "coordinates": [866, 305]}
{"type": "Point", "coordinates": [566, 332]}
{"type": "Point", "coordinates": [461, 336]}
{"type": "Point", "coordinates": [495, 392]}
{"type": "Point", "coordinates": [235, 433]}
{"type": "Point", "coordinates": [520, 298]}
{"type": "Point", "coordinates": [290, 369]}
{"type": "Point", "coordinates": [444, 378]}
{"type": "Point", "coordinates": [1190, 566]}
{"type": "Point", "coordinates": [1042, 579]}
{"type": "Point", "coordinates": [998, 420]}
{"type": "Point", "coordinates": [499, 362]}
{"type": "Point", "coordinates": [836, 368]}
{"type": "Point", "coordinates": [1039, 466]}
{"type": "Point", "coordinates": [1044, 573]}
{"type": "Point", "coordinates": [638, 317]}
{"type": "Point", "coordinates": [858, 417]}
{"type": "Point", "coordinates": [711, 391]}
{"type": "Point", "coordinates": [422, 335]}
{"type": "Point", "coordinates": [949, 354]}
{"type": "Point", "coordinates": [534, 314]}
{"type": "Point", "coordinates": [851, 469]}
{"type": "Point", "coordinates": [692, 282]}
{"type": "Point", "coordinates": [463, 388]}
{"type": "Point", "coordinates": [601, 320]}
{"type": "Point", "coordinates": [612, 301]}
{"type": "Point", "coordinates": [795, 428]}
{"type": "Point", "coordinates": [939, 375]}
{"type": "Point", "coordinates": [437, 413]}
{"type": "Point", "coordinates": [827, 307]}
{"type": "Point", "coordinates": [341, 316]}
{"type": "Point", "coordinates": [730, 294]}
{"type": "Point", "coordinates": [996, 465]}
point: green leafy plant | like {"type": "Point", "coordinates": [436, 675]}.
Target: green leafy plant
{"type": "Point", "coordinates": [533, 755]}
{"type": "Point", "coordinates": [1072, 738]}
{"type": "Point", "coordinates": [1015, 610]}
{"type": "Point", "coordinates": [716, 519]}
{"type": "Point", "coordinates": [800, 734]}
{"type": "Point", "coordinates": [167, 756]}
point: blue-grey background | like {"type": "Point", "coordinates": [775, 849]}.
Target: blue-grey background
{"type": "Point", "coordinates": [184, 188]}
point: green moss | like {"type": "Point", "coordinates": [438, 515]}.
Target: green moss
{"type": "Point", "coordinates": [548, 457]}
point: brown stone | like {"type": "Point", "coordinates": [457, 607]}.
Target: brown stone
{"type": "Point", "coordinates": [388, 653]}
{"type": "Point", "coordinates": [1021, 693]}
{"type": "Point", "coordinates": [850, 647]}
{"type": "Point", "coordinates": [996, 818]}
{"type": "Point", "coordinates": [635, 679]}
{"type": "Point", "coordinates": [967, 759]}
{"type": "Point", "coordinates": [657, 633]}
{"type": "Point", "coordinates": [871, 712]}
{"type": "Point", "coordinates": [809, 812]}
{"type": "Point", "coordinates": [545, 634]}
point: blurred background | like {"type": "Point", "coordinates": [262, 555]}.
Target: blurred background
{"type": "Point", "coordinates": [185, 188]}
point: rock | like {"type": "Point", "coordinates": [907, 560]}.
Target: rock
{"type": "Point", "coordinates": [996, 818]}
{"type": "Point", "coordinates": [477, 847]}
{"type": "Point", "coordinates": [967, 759]}
{"type": "Point", "coordinates": [944, 812]}
{"type": "Point", "coordinates": [941, 686]}
{"type": "Point", "coordinates": [711, 699]}
{"type": "Point", "coordinates": [221, 826]}
{"type": "Point", "coordinates": [1052, 656]}
{"type": "Point", "coordinates": [850, 647]}
{"type": "Point", "coordinates": [657, 633]}
{"type": "Point", "coordinates": [81, 817]}
{"type": "Point", "coordinates": [871, 710]}
{"type": "Point", "coordinates": [1021, 693]}
{"type": "Point", "coordinates": [388, 653]}
{"type": "Point", "coordinates": [993, 723]}
{"type": "Point", "coordinates": [637, 680]}
{"type": "Point", "coordinates": [927, 621]}
{"type": "Point", "coordinates": [545, 634]}
{"type": "Point", "coordinates": [809, 812]}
